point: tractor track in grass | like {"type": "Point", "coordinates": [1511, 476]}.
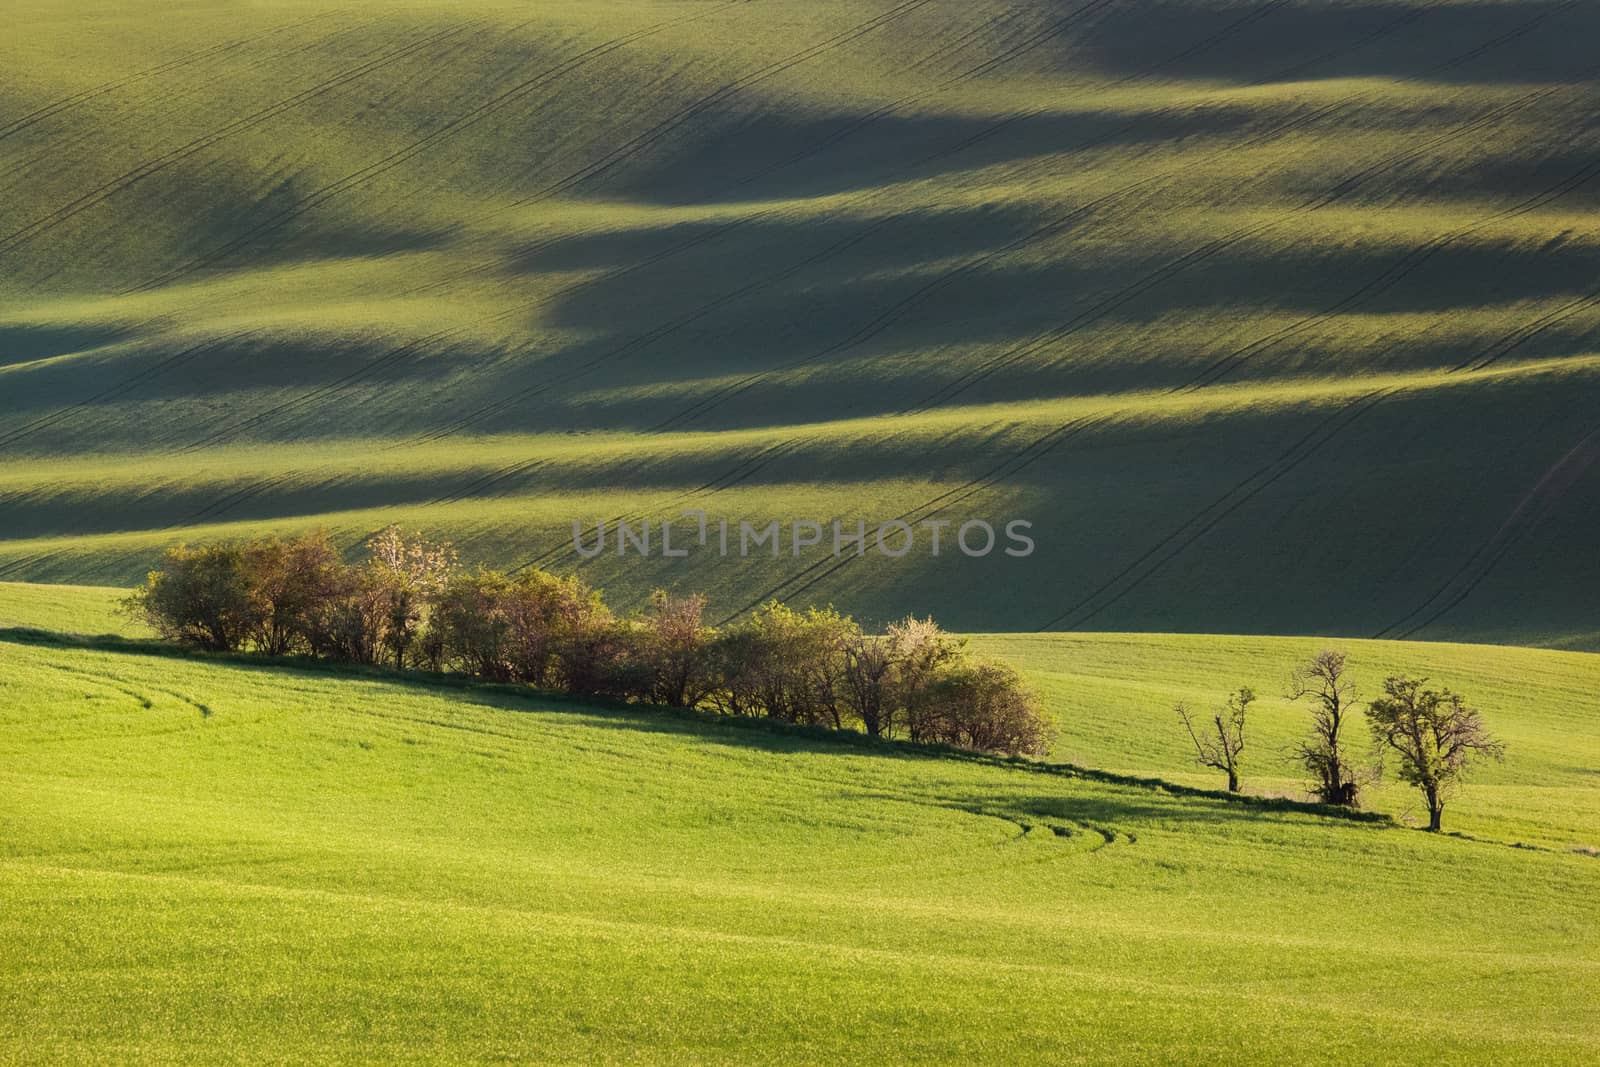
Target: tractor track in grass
{"type": "Point", "coordinates": [653, 134]}
{"type": "Point", "coordinates": [133, 177]}
{"type": "Point", "coordinates": [188, 59]}
{"type": "Point", "coordinates": [1051, 228]}
{"type": "Point", "coordinates": [504, 404]}
{"type": "Point", "coordinates": [226, 503]}
{"type": "Point", "coordinates": [1360, 406]}
{"type": "Point", "coordinates": [162, 366]}
{"type": "Point", "coordinates": [1212, 515]}
{"type": "Point", "coordinates": [1403, 268]}
{"type": "Point", "coordinates": [556, 381]}
{"type": "Point", "coordinates": [252, 65]}
{"type": "Point", "coordinates": [1534, 506]}
{"type": "Point", "coordinates": [740, 473]}
{"type": "Point", "coordinates": [1028, 44]}
{"type": "Point", "coordinates": [410, 349]}
{"type": "Point", "coordinates": [1514, 340]}
{"type": "Point", "coordinates": [112, 681]}
{"type": "Point", "coordinates": [1199, 255]}
{"type": "Point", "coordinates": [327, 389]}
{"type": "Point", "coordinates": [487, 481]}
{"type": "Point", "coordinates": [419, 147]}
{"type": "Point", "coordinates": [828, 566]}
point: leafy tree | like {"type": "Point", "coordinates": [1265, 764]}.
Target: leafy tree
{"type": "Point", "coordinates": [1323, 680]}
{"type": "Point", "coordinates": [402, 576]}
{"type": "Point", "coordinates": [922, 652]}
{"type": "Point", "coordinates": [985, 706]}
{"type": "Point", "coordinates": [591, 644]}
{"type": "Point", "coordinates": [869, 683]}
{"type": "Point", "coordinates": [675, 646]}
{"type": "Point", "coordinates": [200, 597]}
{"type": "Point", "coordinates": [470, 626]}
{"type": "Point", "coordinates": [291, 584]}
{"type": "Point", "coordinates": [1435, 734]}
{"type": "Point", "coordinates": [1219, 744]}
{"type": "Point", "coordinates": [786, 665]}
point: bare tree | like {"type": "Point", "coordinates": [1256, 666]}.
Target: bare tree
{"type": "Point", "coordinates": [1220, 742]}
{"type": "Point", "coordinates": [1323, 680]}
{"type": "Point", "coordinates": [1436, 734]}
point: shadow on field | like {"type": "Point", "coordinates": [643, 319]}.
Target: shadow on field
{"type": "Point", "coordinates": [780, 156]}
{"type": "Point", "coordinates": [763, 735]}
{"type": "Point", "coordinates": [23, 344]}
{"type": "Point", "coordinates": [1283, 42]}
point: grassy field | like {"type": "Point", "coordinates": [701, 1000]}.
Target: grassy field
{"type": "Point", "coordinates": [1275, 318]}
{"type": "Point", "coordinates": [226, 862]}
{"type": "Point", "coordinates": [1112, 696]}
{"type": "Point", "coordinates": [1228, 298]}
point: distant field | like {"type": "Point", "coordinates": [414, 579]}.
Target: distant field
{"type": "Point", "coordinates": [1229, 298]}
{"type": "Point", "coordinates": [228, 863]}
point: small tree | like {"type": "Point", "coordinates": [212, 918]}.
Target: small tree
{"type": "Point", "coordinates": [1436, 735]}
{"type": "Point", "coordinates": [986, 707]}
{"type": "Point", "coordinates": [922, 653]}
{"type": "Point", "coordinates": [403, 575]}
{"type": "Point", "coordinates": [1323, 680]}
{"type": "Point", "coordinates": [868, 678]}
{"type": "Point", "coordinates": [675, 644]}
{"type": "Point", "coordinates": [200, 596]}
{"type": "Point", "coordinates": [1220, 743]}
{"type": "Point", "coordinates": [470, 626]}
{"type": "Point", "coordinates": [292, 584]}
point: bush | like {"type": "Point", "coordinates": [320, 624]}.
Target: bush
{"type": "Point", "coordinates": [985, 706]}
{"type": "Point", "coordinates": [200, 597]}
{"type": "Point", "coordinates": [407, 601]}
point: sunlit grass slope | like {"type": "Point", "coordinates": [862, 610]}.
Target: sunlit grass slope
{"type": "Point", "coordinates": [1111, 696]}
{"type": "Point", "coordinates": [230, 863]}
{"type": "Point", "coordinates": [1229, 298]}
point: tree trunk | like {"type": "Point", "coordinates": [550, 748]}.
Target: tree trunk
{"type": "Point", "coordinates": [1233, 781]}
{"type": "Point", "coordinates": [1435, 810]}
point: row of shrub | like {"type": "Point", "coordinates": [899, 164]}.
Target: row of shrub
{"type": "Point", "coordinates": [410, 604]}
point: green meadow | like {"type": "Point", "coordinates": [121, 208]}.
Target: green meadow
{"type": "Point", "coordinates": [226, 861]}
{"type": "Point", "coordinates": [1277, 319]}
{"type": "Point", "coordinates": [1226, 298]}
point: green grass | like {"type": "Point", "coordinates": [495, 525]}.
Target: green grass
{"type": "Point", "coordinates": [487, 268]}
{"type": "Point", "coordinates": [72, 609]}
{"type": "Point", "coordinates": [236, 862]}
{"type": "Point", "coordinates": [1113, 694]}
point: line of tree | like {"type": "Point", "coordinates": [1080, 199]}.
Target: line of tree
{"type": "Point", "coordinates": [409, 604]}
{"type": "Point", "coordinates": [1434, 734]}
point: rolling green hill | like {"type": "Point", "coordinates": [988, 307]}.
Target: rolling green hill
{"type": "Point", "coordinates": [1111, 697]}
{"type": "Point", "coordinates": [1273, 317]}
{"type": "Point", "coordinates": [232, 862]}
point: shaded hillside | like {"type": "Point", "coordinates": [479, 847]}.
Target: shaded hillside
{"type": "Point", "coordinates": [1272, 316]}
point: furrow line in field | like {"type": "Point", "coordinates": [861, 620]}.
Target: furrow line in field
{"type": "Point", "coordinates": [130, 178]}
{"type": "Point", "coordinates": [418, 147]}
